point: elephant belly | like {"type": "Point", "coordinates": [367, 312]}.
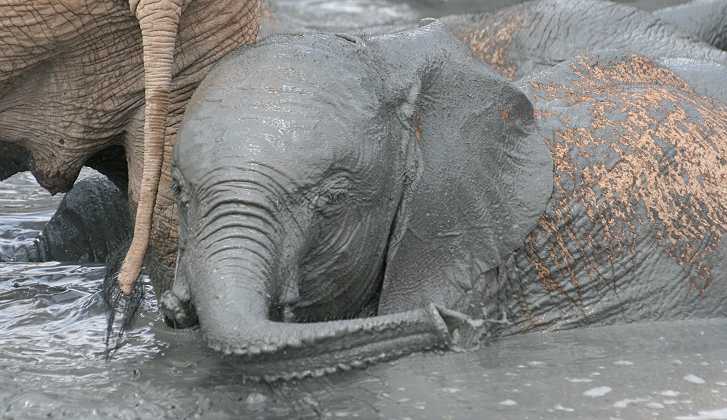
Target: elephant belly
{"type": "Point", "coordinates": [637, 224]}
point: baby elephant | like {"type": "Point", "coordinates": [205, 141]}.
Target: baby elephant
{"type": "Point", "coordinates": [362, 198]}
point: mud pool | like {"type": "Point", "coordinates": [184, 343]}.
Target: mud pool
{"type": "Point", "coordinates": [52, 326]}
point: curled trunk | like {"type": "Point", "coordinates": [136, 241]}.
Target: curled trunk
{"type": "Point", "coordinates": [234, 319]}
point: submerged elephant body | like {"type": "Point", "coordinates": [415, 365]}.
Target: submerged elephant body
{"type": "Point", "coordinates": [420, 187]}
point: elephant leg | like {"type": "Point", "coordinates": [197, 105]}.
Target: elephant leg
{"type": "Point", "coordinates": [13, 159]}
{"type": "Point", "coordinates": [91, 223]}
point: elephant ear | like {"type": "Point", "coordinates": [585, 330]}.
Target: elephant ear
{"type": "Point", "coordinates": [483, 178]}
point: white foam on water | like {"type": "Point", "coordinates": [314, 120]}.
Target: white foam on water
{"type": "Point", "coordinates": [694, 379]}
{"type": "Point", "coordinates": [578, 380]}
{"type": "Point", "coordinates": [628, 401]}
{"type": "Point", "coordinates": [720, 414]}
{"type": "Point", "coordinates": [598, 391]}
{"type": "Point", "coordinates": [508, 403]}
{"type": "Point", "coordinates": [670, 393]}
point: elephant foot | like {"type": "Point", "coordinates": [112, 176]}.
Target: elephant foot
{"type": "Point", "coordinates": [465, 332]}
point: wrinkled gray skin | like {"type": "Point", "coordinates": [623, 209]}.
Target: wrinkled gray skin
{"type": "Point", "coordinates": [706, 19]}
{"type": "Point", "coordinates": [91, 224]}
{"type": "Point", "coordinates": [410, 182]}
{"type": "Point", "coordinates": [302, 202]}
{"type": "Point", "coordinates": [538, 35]}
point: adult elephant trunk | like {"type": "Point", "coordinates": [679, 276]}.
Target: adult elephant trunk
{"type": "Point", "coordinates": [233, 299]}
{"type": "Point", "coordinates": [159, 22]}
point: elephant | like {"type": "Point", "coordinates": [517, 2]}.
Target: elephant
{"type": "Point", "coordinates": [104, 84]}
{"type": "Point", "coordinates": [537, 35]}
{"type": "Point", "coordinates": [408, 197]}
{"type": "Point", "coordinates": [91, 224]}
{"type": "Point", "coordinates": [705, 19]}
{"type": "Point", "coordinates": [513, 39]}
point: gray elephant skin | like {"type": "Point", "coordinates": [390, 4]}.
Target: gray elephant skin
{"type": "Point", "coordinates": [538, 35]}
{"type": "Point", "coordinates": [330, 219]}
{"type": "Point", "coordinates": [91, 224]}
{"type": "Point", "coordinates": [705, 19]}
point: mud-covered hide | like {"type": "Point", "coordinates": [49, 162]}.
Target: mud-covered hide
{"type": "Point", "coordinates": [636, 226]}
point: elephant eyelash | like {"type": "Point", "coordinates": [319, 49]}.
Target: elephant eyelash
{"type": "Point", "coordinates": [175, 187]}
{"type": "Point", "coordinates": [336, 196]}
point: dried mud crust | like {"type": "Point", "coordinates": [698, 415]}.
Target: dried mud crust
{"type": "Point", "coordinates": [492, 39]}
{"type": "Point", "coordinates": [633, 145]}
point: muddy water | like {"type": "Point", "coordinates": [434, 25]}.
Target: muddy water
{"type": "Point", "coordinates": [52, 325]}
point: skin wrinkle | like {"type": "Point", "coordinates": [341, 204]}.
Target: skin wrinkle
{"type": "Point", "coordinates": [538, 34]}
{"type": "Point", "coordinates": [89, 94]}
{"type": "Point", "coordinates": [681, 194]}
{"type": "Point", "coordinates": [236, 203]}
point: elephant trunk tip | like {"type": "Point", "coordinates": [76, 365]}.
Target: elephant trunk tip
{"type": "Point", "coordinates": [118, 302]}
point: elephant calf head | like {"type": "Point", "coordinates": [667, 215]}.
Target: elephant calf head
{"type": "Point", "coordinates": [350, 177]}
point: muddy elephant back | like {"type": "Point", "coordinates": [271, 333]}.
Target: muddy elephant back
{"type": "Point", "coordinates": [535, 36]}
{"type": "Point", "coordinates": [639, 209]}
{"type": "Point", "coordinates": [706, 20]}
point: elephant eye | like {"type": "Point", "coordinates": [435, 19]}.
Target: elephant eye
{"type": "Point", "coordinates": [330, 201]}
{"type": "Point", "coordinates": [337, 196]}
{"type": "Point", "coordinates": [335, 192]}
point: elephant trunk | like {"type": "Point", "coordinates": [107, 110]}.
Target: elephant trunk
{"type": "Point", "coordinates": [159, 22]}
{"type": "Point", "coordinates": [234, 294]}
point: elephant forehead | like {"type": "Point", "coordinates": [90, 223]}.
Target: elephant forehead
{"type": "Point", "coordinates": [289, 99]}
